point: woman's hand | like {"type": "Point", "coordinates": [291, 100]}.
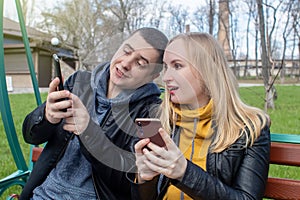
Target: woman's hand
{"type": "Point", "coordinates": [80, 117]}
{"type": "Point", "coordinates": [168, 161]}
{"type": "Point", "coordinates": [55, 105]}
{"type": "Point", "coordinates": [144, 172]}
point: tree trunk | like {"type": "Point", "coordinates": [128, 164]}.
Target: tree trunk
{"type": "Point", "coordinates": [223, 33]}
{"type": "Point", "coordinates": [269, 102]}
{"type": "Point", "coordinates": [211, 16]}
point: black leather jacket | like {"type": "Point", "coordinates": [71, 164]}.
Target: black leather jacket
{"type": "Point", "coordinates": [237, 173]}
{"type": "Point", "coordinates": [108, 146]}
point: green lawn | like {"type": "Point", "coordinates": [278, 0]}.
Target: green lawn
{"type": "Point", "coordinates": [285, 119]}
{"type": "Point", "coordinates": [21, 105]}
{"type": "Point", "coordinates": [286, 116]}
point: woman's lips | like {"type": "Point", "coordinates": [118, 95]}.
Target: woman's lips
{"type": "Point", "coordinates": [172, 89]}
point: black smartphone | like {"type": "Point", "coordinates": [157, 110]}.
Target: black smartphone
{"type": "Point", "coordinates": [58, 71]}
{"type": "Point", "coordinates": [148, 128]}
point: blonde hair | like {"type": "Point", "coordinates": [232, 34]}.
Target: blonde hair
{"type": "Point", "coordinates": [231, 117]}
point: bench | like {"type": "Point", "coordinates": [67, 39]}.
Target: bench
{"type": "Point", "coordinates": [285, 150]}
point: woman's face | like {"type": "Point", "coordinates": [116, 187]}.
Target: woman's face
{"type": "Point", "coordinates": [183, 81]}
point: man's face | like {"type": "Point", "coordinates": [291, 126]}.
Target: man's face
{"type": "Point", "coordinates": [133, 64]}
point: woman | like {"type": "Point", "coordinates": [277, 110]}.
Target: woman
{"type": "Point", "coordinates": [219, 146]}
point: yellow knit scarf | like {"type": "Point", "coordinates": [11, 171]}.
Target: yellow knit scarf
{"type": "Point", "coordinates": [195, 127]}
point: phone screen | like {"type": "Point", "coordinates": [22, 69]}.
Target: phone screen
{"type": "Point", "coordinates": [148, 128]}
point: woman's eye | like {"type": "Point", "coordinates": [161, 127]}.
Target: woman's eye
{"type": "Point", "coordinates": [177, 66]}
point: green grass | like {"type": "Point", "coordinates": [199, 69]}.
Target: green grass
{"type": "Point", "coordinates": [286, 116]}
{"type": "Point", "coordinates": [21, 105]}
{"type": "Point", "coordinates": [285, 119]}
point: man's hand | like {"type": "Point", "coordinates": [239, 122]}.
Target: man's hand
{"type": "Point", "coordinates": [55, 105]}
{"type": "Point", "coordinates": [80, 117]}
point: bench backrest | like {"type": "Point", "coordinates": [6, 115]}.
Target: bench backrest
{"type": "Point", "coordinates": [284, 153]}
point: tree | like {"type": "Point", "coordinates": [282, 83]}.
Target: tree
{"type": "Point", "coordinates": [269, 91]}
{"type": "Point", "coordinates": [157, 12]}
{"type": "Point", "coordinates": [224, 31]}
{"type": "Point", "coordinates": [204, 18]}
{"type": "Point", "coordinates": [178, 19]}
{"type": "Point", "coordinates": [212, 11]}
{"type": "Point", "coordinates": [295, 7]}
{"type": "Point", "coordinates": [128, 14]}
{"type": "Point", "coordinates": [251, 14]}
{"type": "Point", "coordinates": [27, 9]}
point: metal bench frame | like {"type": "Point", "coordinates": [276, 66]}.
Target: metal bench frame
{"type": "Point", "coordinates": [20, 176]}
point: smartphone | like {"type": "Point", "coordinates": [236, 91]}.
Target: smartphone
{"type": "Point", "coordinates": [58, 74]}
{"type": "Point", "coordinates": [148, 128]}
{"type": "Point", "coordinates": [58, 71]}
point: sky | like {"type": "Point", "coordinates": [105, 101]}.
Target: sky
{"type": "Point", "coordinates": [43, 5]}
{"type": "Point", "coordinates": [10, 10]}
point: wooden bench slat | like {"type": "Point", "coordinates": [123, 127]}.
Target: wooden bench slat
{"type": "Point", "coordinates": [280, 188]}
{"type": "Point", "coordinates": [36, 152]}
{"type": "Point", "coordinates": [277, 188]}
{"type": "Point", "coordinates": [285, 154]}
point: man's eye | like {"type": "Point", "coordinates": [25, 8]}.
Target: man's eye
{"type": "Point", "coordinates": [127, 50]}
{"type": "Point", "coordinates": [141, 63]}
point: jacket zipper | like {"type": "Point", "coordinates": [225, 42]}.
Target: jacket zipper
{"type": "Point", "coordinates": [107, 115]}
{"type": "Point", "coordinates": [96, 191]}
{"type": "Point", "coordinates": [216, 161]}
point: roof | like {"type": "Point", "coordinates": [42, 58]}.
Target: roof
{"type": "Point", "coordinates": [12, 27]}
{"type": "Point", "coordinates": [36, 37]}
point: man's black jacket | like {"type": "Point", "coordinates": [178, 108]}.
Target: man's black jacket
{"type": "Point", "coordinates": [109, 146]}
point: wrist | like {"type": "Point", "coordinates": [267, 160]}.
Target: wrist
{"type": "Point", "coordinates": [139, 179]}
{"type": "Point", "coordinates": [183, 169]}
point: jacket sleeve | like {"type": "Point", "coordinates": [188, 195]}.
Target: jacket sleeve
{"type": "Point", "coordinates": [95, 143]}
{"type": "Point", "coordinates": [248, 183]}
{"type": "Point", "coordinates": [36, 129]}
{"type": "Point", "coordinates": [144, 191]}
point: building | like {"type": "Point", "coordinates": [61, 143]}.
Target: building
{"type": "Point", "coordinates": [16, 65]}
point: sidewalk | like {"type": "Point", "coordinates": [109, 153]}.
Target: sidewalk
{"type": "Point", "coordinates": [26, 90]}
{"type": "Point", "coordinates": [42, 90]}
{"type": "Point", "coordinates": [260, 84]}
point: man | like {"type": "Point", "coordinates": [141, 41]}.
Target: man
{"type": "Point", "coordinates": [90, 147]}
